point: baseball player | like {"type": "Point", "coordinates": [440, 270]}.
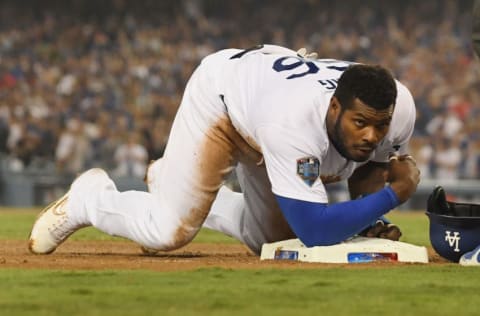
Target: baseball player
{"type": "Point", "coordinates": [288, 124]}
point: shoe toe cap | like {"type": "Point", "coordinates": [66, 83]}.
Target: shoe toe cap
{"type": "Point", "coordinates": [40, 240]}
{"type": "Point", "coordinates": [41, 246]}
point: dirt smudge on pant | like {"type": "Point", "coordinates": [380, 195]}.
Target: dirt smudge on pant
{"type": "Point", "coordinates": [222, 148]}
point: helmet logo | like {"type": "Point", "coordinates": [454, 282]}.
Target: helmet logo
{"type": "Point", "coordinates": [453, 240]}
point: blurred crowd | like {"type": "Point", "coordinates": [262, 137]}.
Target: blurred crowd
{"type": "Point", "coordinates": [87, 84]}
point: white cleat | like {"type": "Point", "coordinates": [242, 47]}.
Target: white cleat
{"type": "Point", "coordinates": [55, 224]}
{"type": "Point", "coordinates": [471, 258]}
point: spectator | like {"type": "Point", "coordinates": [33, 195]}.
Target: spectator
{"type": "Point", "coordinates": [73, 148]}
{"type": "Point", "coordinates": [131, 157]}
{"type": "Point", "coordinates": [58, 65]}
{"type": "Point", "coordinates": [447, 159]}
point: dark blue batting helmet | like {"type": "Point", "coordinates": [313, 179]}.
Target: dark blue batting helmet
{"type": "Point", "coordinates": [454, 227]}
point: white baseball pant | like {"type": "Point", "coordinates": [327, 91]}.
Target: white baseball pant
{"type": "Point", "coordinates": [203, 148]}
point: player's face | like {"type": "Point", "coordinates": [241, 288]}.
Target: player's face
{"type": "Point", "coordinates": [356, 132]}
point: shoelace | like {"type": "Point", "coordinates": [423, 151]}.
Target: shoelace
{"type": "Point", "coordinates": [60, 230]}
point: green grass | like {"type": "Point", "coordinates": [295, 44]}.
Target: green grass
{"type": "Point", "coordinates": [405, 290]}
{"type": "Point", "coordinates": [447, 289]}
{"type": "Point", "coordinates": [16, 224]}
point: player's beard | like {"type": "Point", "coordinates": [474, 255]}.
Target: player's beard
{"type": "Point", "coordinates": [338, 138]}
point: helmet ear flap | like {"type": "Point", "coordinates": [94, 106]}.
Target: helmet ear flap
{"type": "Point", "coordinates": [437, 202]}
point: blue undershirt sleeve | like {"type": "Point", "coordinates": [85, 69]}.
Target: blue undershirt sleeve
{"type": "Point", "coordinates": [319, 224]}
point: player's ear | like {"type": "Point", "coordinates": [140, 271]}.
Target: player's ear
{"type": "Point", "coordinates": [335, 107]}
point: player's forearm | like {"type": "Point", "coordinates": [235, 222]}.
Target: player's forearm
{"type": "Point", "coordinates": [317, 224]}
{"type": "Point", "coordinates": [367, 179]}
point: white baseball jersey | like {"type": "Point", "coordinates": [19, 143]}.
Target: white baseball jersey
{"type": "Point", "coordinates": [278, 102]}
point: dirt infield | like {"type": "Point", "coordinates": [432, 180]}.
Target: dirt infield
{"type": "Point", "coordinates": [101, 255]}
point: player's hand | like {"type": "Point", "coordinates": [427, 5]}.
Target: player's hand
{"type": "Point", "coordinates": [403, 176]}
{"type": "Point", "coordinates": [302, 52]}
{"type": "Point", "coordinates": [383, 230]}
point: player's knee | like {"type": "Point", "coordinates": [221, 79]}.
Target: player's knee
{"type": "Point", "coordinates": [179, 237]}
{"type": "Point", "coordinates": [184, 235]}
